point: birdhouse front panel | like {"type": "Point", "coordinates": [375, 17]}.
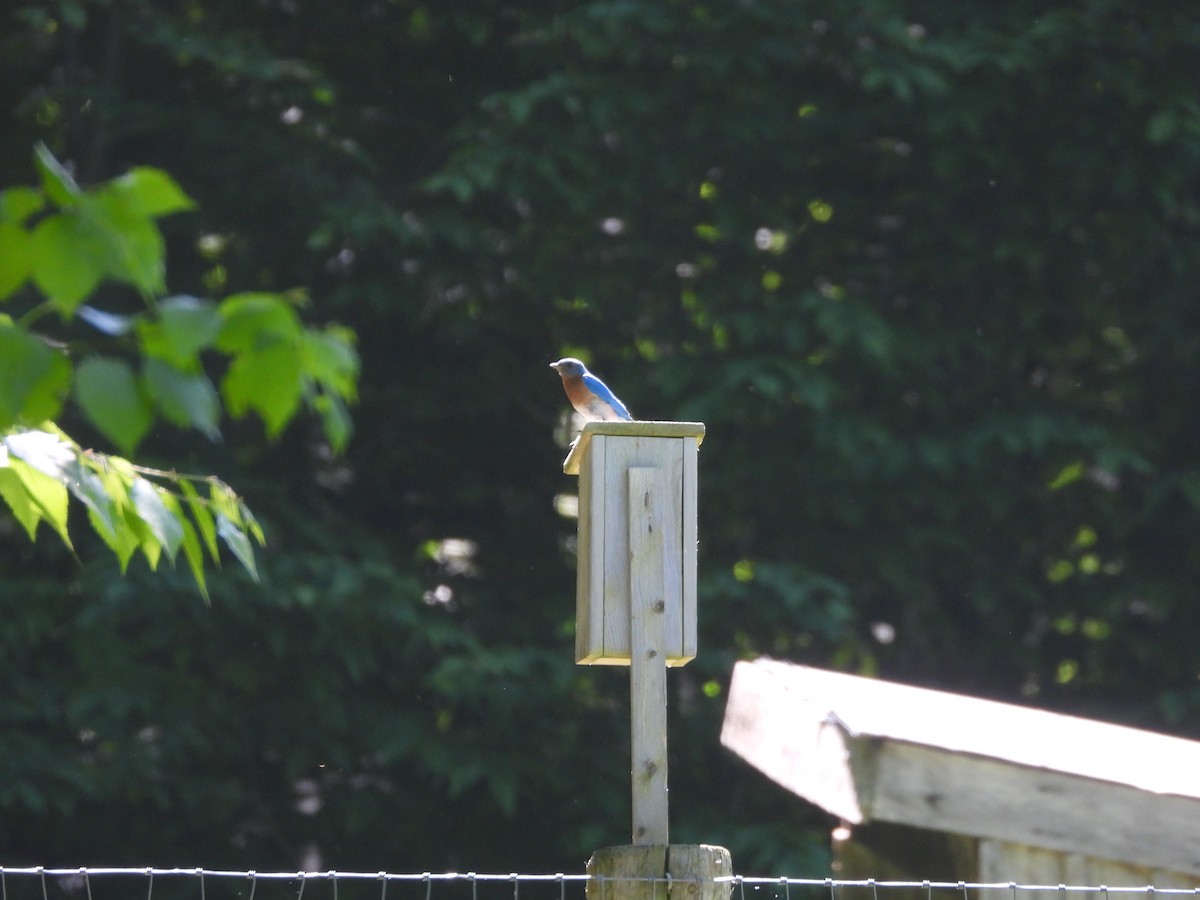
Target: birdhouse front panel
{"type": "Point", "coordinates": [602, 458]}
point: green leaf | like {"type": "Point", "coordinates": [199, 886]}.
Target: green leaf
{"type": "Point", "coordinates": [150, 192]}
{"type": "Point", "coordinates": [335, 421]}
{"type": "Point", "coordinates": [40, 468]}
{"type": "Point", "coordinates": [149, 545]}
{"type": "Point", "coordinates": [108, 232]}
{"type": "Point", "coordinates": [328, 357]}
{"type": "Point", "coordinates": [134, 249]}
{"type": "Point", "coordinates": [48, 495]}
{"type": "Point", "coordinates": [1068, 474]}
{"type": "Point", "coordinates": [90, 489]}
{"type": "Point", "coordinates": [224, 502]}
{"type": "Point", "coordinates": [19, 203]}
{"type": "Point", "coordinates": [238, 542]}
{"type": "Point", "coordinates": [117, 475]}
{"type": "Point", "coordinates": [185, 326]}
{"type": "Point", "coordinates": [15, 258]}
{"type": "Point", "coordinates": [194, 554]}
{"type": "Point", "coordinates": [56, 180]}
{"type": "Point", "coordinates": [253, 321]}
{"type": "Point", "coordinates": [12, 489]}
{"type": "Point", "coordinates": [189, 400]}
{"type": "Point", "coordinates": [163, 524]}
{"type": "Point", "coordinates": [108, 394]}
{"type": "Point", "coordinates": [48, 454]}
{"type": "Point", "coordinates": [124, 539]}
{"type": "Point", "coordinates": [69, 259]}
{"type": "Point", "coordinates": [266, 381]}
{"type": "Point", "coordinates": [33, 377]}
{"type": "Point", "coordinates": [44, 450]}
{"type": "Point", "coordinates": [250, 523]}
{"type": "Point", "coordinates": [134, 532]}
{"type": "Point", "coordinates": [203, 517]}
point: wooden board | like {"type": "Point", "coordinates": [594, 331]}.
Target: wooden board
{"type": "Point", "coordinates": [649, 517]}
{"type": "Point", "coordinates": [884, 851]}
{"type": "Point", "coordinates": [589, 582]}
{"type": "Point", "coordinates": [970, 725]}
{"type": "Point", "coordinates": [868, 750]}
{"type": "Point", "coordinates": [966, 794]}
{"type": "Point", "coordinates": [1040, 866]}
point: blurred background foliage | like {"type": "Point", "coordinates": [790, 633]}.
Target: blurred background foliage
{"type": "Point", "coordinates": [927, 271]}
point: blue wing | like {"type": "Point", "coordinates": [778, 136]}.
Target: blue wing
{"type": "Point", "coordinates": [600, 389]}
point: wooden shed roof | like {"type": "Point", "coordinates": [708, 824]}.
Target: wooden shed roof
{"type": "Point", "coordinates": [867, 749]}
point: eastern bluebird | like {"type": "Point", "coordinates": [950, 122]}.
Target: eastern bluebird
{"type": "Point", "coordinates": [588, 394]}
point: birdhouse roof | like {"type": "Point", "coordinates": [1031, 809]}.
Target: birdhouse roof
{"type": "Point", "coordinates": [629, 429]}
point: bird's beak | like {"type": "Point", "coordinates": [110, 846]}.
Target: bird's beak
{"type": "Point", "coordinates": [554, 366]}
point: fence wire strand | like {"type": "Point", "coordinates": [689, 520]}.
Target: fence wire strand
{"type": "Point", "coordinates": [81, 879]}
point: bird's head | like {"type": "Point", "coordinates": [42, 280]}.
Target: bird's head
{"type": "Point", "coordinates": [569, 367]}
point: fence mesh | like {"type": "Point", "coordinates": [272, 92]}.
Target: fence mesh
{"type": "Point", "coordinates": [150, 883]}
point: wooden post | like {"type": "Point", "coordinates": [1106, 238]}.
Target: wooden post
{"type": "Point", "coordinates": [648, 506]}
{"type": "Point", "coordinates": [660, 872]}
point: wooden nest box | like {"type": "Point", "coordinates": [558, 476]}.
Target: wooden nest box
{"type": "Point", "coordinates": [635, 476]}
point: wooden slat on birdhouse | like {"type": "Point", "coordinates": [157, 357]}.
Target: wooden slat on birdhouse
{"type": "Point", "coordinates": [602, 458]}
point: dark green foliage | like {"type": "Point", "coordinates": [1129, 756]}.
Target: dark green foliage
{"type": "Point", "coordinates": [927, 271]}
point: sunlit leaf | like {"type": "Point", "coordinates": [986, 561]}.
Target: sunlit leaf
{"type": "Point", "coordinates": [122, 540]}
{"type": "Point", "coordinates": [150, 546]}
{"type": "Point", "coordinates": [91, 490]}
{"type": "Point", "coordinates": [1069, 474]}
{"type": "Point", "coordinates": [194, 554]}
{"type": "Point", "coordinates": [164, 525]}
{"type": "Point", "coordinates": [48, 495]}
{"type": "Point", "coordinates": [150, 192]}
{"type": "Point", "coordinates": [203, 517]}
{"type": "Point", "coordinates": [13, 490]}
{"type": "Point", "coordinates": [44, 451]}
{"type": "Point", "coordinates": [223, 501]}
{"type": "Point", "coordinates": [254, 321]}
{"type": "Point", "coordinates": [267, 382]}
{"type": "Point", "coordinates": [250, 523]}
{"type": "Point", "coordinates": [237, 541]}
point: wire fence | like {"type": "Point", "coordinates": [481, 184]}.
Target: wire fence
{"type": "Point", "coordinates": [150, 883]}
